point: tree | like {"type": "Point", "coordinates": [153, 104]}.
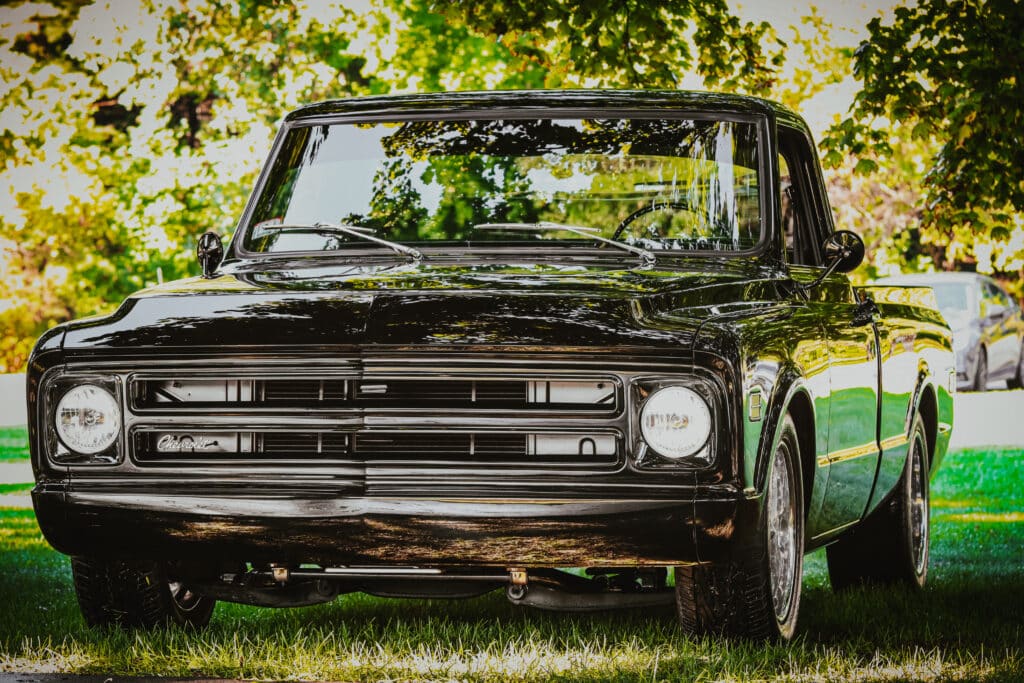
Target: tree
{"type": "Point", "coordinates": [629, 43]}
{"type": "Point", "coordinates": [950, 74]}
{"type": "Point", "coordinates": [128, 129]}
{"type": "Point", "coordinates": [127, 133]}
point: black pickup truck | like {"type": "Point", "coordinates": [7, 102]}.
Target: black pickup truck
{"type": "Point", "coordinates": [462, 342]}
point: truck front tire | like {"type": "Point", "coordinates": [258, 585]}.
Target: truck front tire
{"type": "Point", "coordinates": [757, 596]}
{"type": "Point", "coordinates": [135, 595]}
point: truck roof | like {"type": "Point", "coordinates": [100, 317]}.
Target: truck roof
{"type": "Point", "coordinates": [518, 100]}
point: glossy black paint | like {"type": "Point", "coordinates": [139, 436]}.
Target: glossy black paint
{"type": "Point", "coordinates": [264, 529]}
{"type": "Point", "coordinates": [758, 333]}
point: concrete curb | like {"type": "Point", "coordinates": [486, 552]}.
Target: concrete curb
{"type": "Point", "coordinates": [12, 400]}
{"type": "Point", "coordinates": [18, 472]}
{"type": "Point", "coordinates": [990, 418]}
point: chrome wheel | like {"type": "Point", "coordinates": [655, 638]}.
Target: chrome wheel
{"type": "Point", "coordinates": [183, 598]}
{"type": "Point", "coordinates": [919, 513]}
{"type": "Point", "coordinates": [782, 530]}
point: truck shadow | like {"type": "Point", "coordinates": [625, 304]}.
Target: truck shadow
{"type": "Point", "coordinates": [973, 604]}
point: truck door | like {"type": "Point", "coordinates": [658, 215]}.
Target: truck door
{"type": "Point", "coordinates": [853, 451]}
{"type": "Point", "coordinates": [846, 467]}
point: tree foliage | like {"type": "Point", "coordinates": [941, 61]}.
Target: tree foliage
{"type": "Point", "coordinates": [129, 128]}
{"type": "Point", "coordinates": [630, 43]}
{"type": "Point", "coordinates": [950, 75]}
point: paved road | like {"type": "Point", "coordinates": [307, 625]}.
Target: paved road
{"type": "Point", "coordinates": [15, 472]}
{"type": "Point", "coordinates": [991, 418]}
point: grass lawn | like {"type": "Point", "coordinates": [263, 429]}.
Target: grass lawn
{"type": "Point", "coordinates": [967, 625]}
{"type": "Point", "coordinates": [13, 444]}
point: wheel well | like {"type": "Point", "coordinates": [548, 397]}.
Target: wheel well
{"type": "Point", "coordinates": [803, 418]}
{"type": "Point", "coordinates": [928, 410]}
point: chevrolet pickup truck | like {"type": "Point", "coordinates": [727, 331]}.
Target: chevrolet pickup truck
{"type": "Point", "coordinates": [595, 349]}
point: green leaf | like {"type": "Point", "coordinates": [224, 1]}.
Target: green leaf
{"type": "Point", "coordinates": [865, 167]}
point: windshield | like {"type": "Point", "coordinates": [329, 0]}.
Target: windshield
{"type": "Point", "coordinates": [953, 298]}
{"type": "Point", "coordinates": [659, 184]}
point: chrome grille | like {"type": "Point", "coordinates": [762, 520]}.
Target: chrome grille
{"type": "Point", "coordinates": [163, 394]}
{"type": "Point", "coordinates": [384, 419]}
{"type": "Point", "coordinates": [220, 446]}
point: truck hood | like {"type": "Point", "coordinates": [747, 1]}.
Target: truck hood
{"type": "Point", "coordinates": [522, 306]}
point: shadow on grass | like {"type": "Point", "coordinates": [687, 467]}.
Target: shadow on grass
{"type": "Point", "coordinates": [965, 626]}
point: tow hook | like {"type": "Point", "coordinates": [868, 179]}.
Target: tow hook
{"type": "Point", "coordinates": [517, 587]}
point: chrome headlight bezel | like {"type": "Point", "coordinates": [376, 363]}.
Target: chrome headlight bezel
{"type": "Point", "coordinates": [57, 452]}
{"type": "Point", "coordinates": [645, 456]}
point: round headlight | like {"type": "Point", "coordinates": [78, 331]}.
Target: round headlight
{"type": "Point", "coordinates": [675, 422]}
{"type": "Point", "coordinates": [88, 419]}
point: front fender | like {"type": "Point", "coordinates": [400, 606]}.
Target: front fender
{"type": "Point", "coordinates": [788, 392]}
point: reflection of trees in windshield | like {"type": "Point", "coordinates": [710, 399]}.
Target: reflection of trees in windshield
{"type": "Point", "coordinates": [396, 209]}
{"type": "Point", "coordinates": [537, 137]}
{"type": "Point", "coordinates": [290, 160]}
{"type": "Point", "coordinates": [435, 180]}
{"type": "Point", "coordinates": [473, 189]}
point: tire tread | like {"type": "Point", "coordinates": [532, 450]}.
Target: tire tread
{"type": "Point", "coordinates": [129, 595]}
{"type": "Point", "coordinates": [732, 599]}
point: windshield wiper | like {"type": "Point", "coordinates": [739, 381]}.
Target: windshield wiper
{"type": "Point", "coordinates": [647, 258]}
{"type": "Point", "coordinates": [351, 230]}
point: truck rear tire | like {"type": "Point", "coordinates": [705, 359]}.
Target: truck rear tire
{"type": "Point", "coordinates": [757, 596]}
{"type": "Point", "coordinates": [1017, 381]}
{"type": "Point", "coordinates": [135, 595]}
{"type": "Point", "coordinates": [891, 546]}
{"type": "Point", "coordinates": [980, 382]}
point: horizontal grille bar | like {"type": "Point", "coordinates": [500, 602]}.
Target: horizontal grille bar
{"type": "Point", "coordinates": [415, 447]}
{"type": "Point", "coordinates": [596, 395]}
{"type": "Point", "coordinates": [200, 393]}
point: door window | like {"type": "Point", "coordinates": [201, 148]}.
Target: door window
{"type": "Point", "coordinates": [800, 230]}
{"type": "Point", "coordinates": [994, 299]}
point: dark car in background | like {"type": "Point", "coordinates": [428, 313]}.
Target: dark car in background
{"type": "Point", "coordinates": [988, 329]}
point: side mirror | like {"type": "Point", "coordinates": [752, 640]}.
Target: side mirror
{"type": "Point", "coordinates": [209, 253]}
{"type": "Point", "coordinates": [845, 249]}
